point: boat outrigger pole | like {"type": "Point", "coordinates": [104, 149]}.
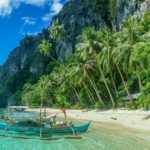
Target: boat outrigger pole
{"type": "Point", "coordinates": [41, 119]}
{"type": "Point", "coordinates": [5, 130]}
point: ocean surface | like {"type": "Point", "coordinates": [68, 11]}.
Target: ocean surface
{"type": "Point", "coordinates": [97, 138]}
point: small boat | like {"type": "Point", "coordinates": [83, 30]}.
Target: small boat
{"type": "Point", "coordinates": [28, 123]}
{"type": "Point", "coordinates": [46, 130]}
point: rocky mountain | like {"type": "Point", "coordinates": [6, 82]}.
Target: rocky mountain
{"type": "Point", "coordinates": [26, 63]}
{"type": "Point", "coordinates": [78, 14]}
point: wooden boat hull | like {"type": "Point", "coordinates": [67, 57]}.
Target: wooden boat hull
{"type": "Point", "coordinates": [70, 129]}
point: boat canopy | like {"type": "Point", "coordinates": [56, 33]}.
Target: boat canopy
{"type": "Point", "coordinates": [24, 115]}
{"type": "Point", "coordinates": [18, 108]}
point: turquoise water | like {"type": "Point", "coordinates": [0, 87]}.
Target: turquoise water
{"type": "Point", "coordinates": [98, 138]}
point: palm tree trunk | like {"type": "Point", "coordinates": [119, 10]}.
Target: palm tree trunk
{"type": "Point", "coordinates": [110, 95]}
{"type": "Point", "coordinates": [140, 82]}
{"type": "Point", "coordinates": [95, 88]}
{"type": "Point", "coordinates": [88, 93]}
{"type": "Point", "coordinates": [78, 101]}
{"type": "Point", "coordinates": [77, 95]}
{"type": "Point", "coordinates": [92, 97]}
{"type": "Point", "coordinates": [55, 60]}
{"type": "Point", "coordinates": [114, 85]}
{"type": "Point", "coordinates": [139, 78]}
{"type": "Point", "coordinates": [41, 118]}
{"type": "Point", "coordinates": [74, 96]}
{"type": "Point", "coordinates": [89, 96]}
{"type": "Point", "coordinates": [96, 91]}
{"type": "Point", "coordinates": [50, 99]}
{"type": "Point", "coordinates": [128, 93]}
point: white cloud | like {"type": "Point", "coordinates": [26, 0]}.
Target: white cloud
{"type": "Point", "coordinates": [56, 6]}
{"type": "Point", "coordinates": [36, 2]}
{"type": "Point", "coordinates": [47, 17]}
{"type": "Point", "coordinates": [6, 6]}
{"type": "Point", "coordinates": [29, 20]}
{"type": "Point", "coordinates": [55, 9]}
{"type": "Point", "coordinates": [29, 33]}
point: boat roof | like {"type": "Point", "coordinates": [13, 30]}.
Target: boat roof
{"type": "Point", "coordinates": [17, 107]}
{"type": "Point", "coordinates": [24, 115]}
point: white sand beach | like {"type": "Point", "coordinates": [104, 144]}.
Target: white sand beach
{"type": "Point", "coordinates": [137, 119]}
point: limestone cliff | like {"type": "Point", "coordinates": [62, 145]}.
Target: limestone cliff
{"type": "Point", "coordinates": [26, 63]}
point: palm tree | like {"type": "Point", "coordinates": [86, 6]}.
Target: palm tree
{"type": "Point", "coordinates": [45, 48]}
{"type": "Point", "coordinates": [132, 36]}
{"type": "Point", "coordinates": [89, 93]}
{"type": "Point", "coordinates": [140, 58]}
{"type": "Point", "coordinates": [76, 74]}
{"type": "Point", "coordinates": [81, 72]}
{"type": "Point", "coordinates": [44, 88]}
{"type": "Point", "coordinates": [88, 49]}
{"type": "Point", "coordinates": [56, 30]}
{"type": "Point", "coordinates": [119, 54]}
{"type": "Point", "coordinates": [88, 45]}
{"type": "Point", "coordinates": [70, 81]}
{"type": "Point", "coordinates": [104, 58]}
{"type": "Point", "coordinates": [88, 72]}
{"type": "Point", "coordinates": [129, 37]}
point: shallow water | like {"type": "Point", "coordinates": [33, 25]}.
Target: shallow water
{"type": "Point", "coordinates": [98, 138]}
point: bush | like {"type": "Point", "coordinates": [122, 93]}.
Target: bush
{"type": "Point", "coordinates": [77, 106]}
{"type": "Point", "coordinates": [98, 105]}
{"type": "Point", "coordinates": [144, 99]}
{"type": "Point", "coordinates": [120, 104]}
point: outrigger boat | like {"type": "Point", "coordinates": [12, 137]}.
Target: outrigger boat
{"type": "Point", "coordinates": [24, 122]}
{"type": "Point", "coordinates": [45, 130]}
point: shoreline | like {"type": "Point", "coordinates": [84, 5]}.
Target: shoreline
{"type": "Point", "coordinates": [135, 119]}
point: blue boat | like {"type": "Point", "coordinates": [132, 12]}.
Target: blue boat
{"type": "Point", "coordinates": [47, 130]}
{"type": "Point", "coordinates": [31, 122]}
{"type": "Point", "coordinates": [68, 129]}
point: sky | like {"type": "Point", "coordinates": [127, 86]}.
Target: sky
{"type": "Point", "coordinates": [19, 18]}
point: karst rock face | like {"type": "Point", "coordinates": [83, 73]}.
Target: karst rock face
{"type": "Point", "coordinates": [75, 16]}
{"type": "Point", "coordinates": [78, 14]}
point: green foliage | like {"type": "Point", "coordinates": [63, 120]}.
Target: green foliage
{"type": "Point", "coordinates": [106, 66]}
{"type": "Point", "coordinates": [56, 30]}
{"type": "Point", "coordinates": [45, 48]}
{"type": "Point", "coordinates": [77, 106]}
{"type": "Point", "coordinates": [31, 95]}
{"type": "Point", "coordinates": [146, 21]}
{"type": "Point", "coordinates": [121, 103]}
{"type": "Point", "coordinates": [144, 99]}
{"type": "Point", "coordinates": [131, 105]}
{"type": "Point", "coordinates": [112, 9]}
{"type": "Point", "coordinates": [4, 97]}
{"type": "Point", "coordinates": [98, 105]}
{"type": "Point", "coordinates": [62, 101]}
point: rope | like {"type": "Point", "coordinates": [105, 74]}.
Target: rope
{"type": "Point", "coordinates": [72, 130]}
{"type": "Point", "coordinates": [5, 129]}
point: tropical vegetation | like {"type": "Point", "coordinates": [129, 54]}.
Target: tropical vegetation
{"type": "Point", "coordinates": [107, 66]}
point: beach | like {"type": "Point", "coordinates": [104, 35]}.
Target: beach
{"type": "Point", "coordinates": [103, 134]}
{"type": "Point", "coordinates": [137, 119]}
